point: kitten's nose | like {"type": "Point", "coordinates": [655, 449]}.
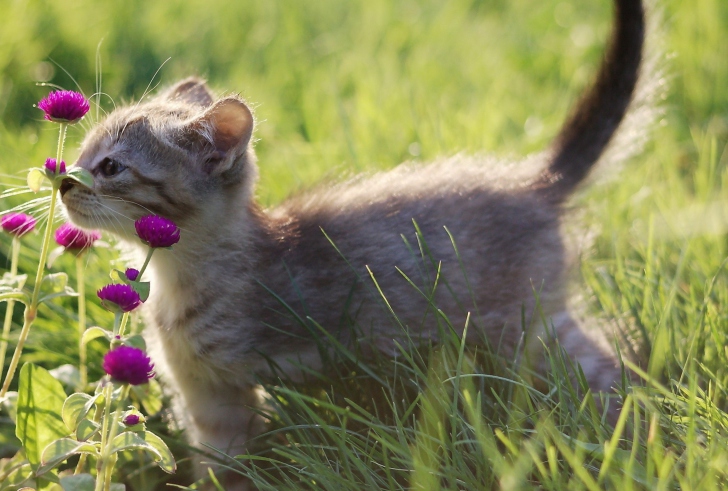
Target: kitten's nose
{"type": "Point", "coordinates": [66, 185]}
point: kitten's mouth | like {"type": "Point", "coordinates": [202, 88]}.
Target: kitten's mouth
{"type": "Point", "coordinates": [76, 215]}
{"type": "Point", "coordinates": [66, 186]}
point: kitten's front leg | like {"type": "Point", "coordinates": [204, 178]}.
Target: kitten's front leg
{"type": "Point", "coordinates": [220, 421]}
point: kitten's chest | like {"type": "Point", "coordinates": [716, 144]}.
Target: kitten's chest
{"type": "Point", "coordinates": [198, 323]}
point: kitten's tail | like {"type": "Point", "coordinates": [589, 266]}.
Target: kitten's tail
{"type": "Point", "coordinates": [592, 125]}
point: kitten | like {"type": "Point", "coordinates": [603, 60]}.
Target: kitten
{"type": "Point", "coordinates": [215, 310]}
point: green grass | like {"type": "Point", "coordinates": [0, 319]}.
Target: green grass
{"type": "Point", "coordinates": [347, 87]}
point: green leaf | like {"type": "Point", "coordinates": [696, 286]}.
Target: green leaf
{"type": "Point", "coordinates": [95, 332]}
{"type": "Point", "coordinates": [150, 395]}
{"type": "Point", "coordinates": [75, 409]}
{"type": "Point", "coordinates": [86, 430]}
{"type": "Point", "coordinates": [78, 482]}
{"type": "Point", "coordinates": [15, 472]}
{"type": "Point", "coordinates": [15, 282]}
{"type": "Point", "coordinates": [53, 255]}
{"type": "Point", "coordinates": [60, 450]}
{"type": "Point", "coordinates": [68, 292]}
{"type": "Point", "coordinates": [118, 276]}
{"type": "Point", "coordinates": [151, 443]}
{"type": "Point", "coordinates": [57, 285]}
{"type": "Point", "coordinates": [35, 179]}
{"type": "Point", "coordinates": [55, 282]}
{"type": "Point", "coordinates": [142, 288]}
{"type": "Point", "coordinates": [40, 402]}
{"type": "Point", "coordinates": [15, 295]}
{"type": "Point", "coordinates": [136, 341]}
{"type": "Point", "coordinates": [85, 482]}
{"type": "Point", "coordinates": [81, 175]}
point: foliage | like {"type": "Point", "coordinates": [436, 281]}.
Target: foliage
{"type": "Point", "coordinates": [344, 87]}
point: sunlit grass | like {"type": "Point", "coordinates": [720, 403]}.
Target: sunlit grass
{"type": "Point", "coordinates": [346, 87]}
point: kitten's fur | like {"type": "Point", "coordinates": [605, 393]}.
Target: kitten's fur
{"type": "Point", "coordinates": [187, 156]}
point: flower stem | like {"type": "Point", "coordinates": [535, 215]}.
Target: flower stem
{"type": "Point", "coordinates": [11, 304]}
{"type": "Point", "coordinates": [98, 413]}
{"type": "Point", "coordinates": [117, 325]}
{"type": "Point", "coordinates": [101, 463]}
{"type": "Point", "coordinates": [124, 320]}
{"type": "Point", "coordinates": [81, 289]}
{"type": "Point", "coordinates": [32, 310]}
{"type": "Point", "coordinates": [146, 263]}
{"type": "Point", "coordinates": [59, 150]}
{"type": "Point", "coordinates": [107, 460]}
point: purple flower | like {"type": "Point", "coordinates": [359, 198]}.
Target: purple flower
{"type": "Point", "coordinates": [64, 106]}
{"type": "Point", "coordinates": [74, 238]}
{"type": "Point", "coordinates": [129, 365]}
{"type": "Point", "coordinates": [132, 419]}
{"type": "Point", "coordinates": [51, 166]}
{"type": "Point", "coordinates": [156, 231]}
{"type": "Point", "coordinates": [17, 224]}
{"type": "Point", "coordinates": [131, 274]}
{"type": "Point", "coordinates": [119, 298]}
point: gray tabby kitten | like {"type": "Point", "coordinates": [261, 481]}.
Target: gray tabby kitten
{"type": "Point", "coordinates": [187, 156]}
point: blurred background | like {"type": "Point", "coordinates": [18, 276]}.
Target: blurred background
{"type": "Point", "coordinates": [345, 86]}
{"type": "Point", "coordinates": [341, 87]}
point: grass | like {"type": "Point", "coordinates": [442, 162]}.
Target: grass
{"type": "Point", "coordinates": [347, 87]}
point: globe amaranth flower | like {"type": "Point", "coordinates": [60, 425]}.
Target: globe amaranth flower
{"type": "Point", "coordinates": [129, 365]}
{"type": "Point", "coordinates": [131, 274]}
{"type": "Point", "coordinates": [133, 419]}
{"type": "Point", "coordinates": [157, 231]}
{"type": "Point", "coordinates": [64, 106]}
{"type": "Point", "coordinates": [50, 164]}
{"type": "Point", "coordinates": [119, 298]}
{"type": "Point", "coordinates": [75, 239]}
{"type": "Point", "coordinates": [18, 224]}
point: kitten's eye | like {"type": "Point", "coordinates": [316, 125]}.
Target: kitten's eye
{"type": "Point", "coordinates": [110, 167]}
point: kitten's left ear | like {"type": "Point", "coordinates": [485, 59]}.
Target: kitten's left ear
{"type": "Point", "coordinates": [221, 134]}
{"type": "Point", "coordinates": [192, 90]}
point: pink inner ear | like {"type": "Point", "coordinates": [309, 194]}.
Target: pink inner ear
{"type": "Point", "coordinates": [232, 123]}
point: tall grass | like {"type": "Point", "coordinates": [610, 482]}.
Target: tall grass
{"type": "Point", "coordinates": [344, 87]}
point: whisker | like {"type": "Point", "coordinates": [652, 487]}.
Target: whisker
{"type": "Point", "coordinates": [114, 215]}
{"type": "Point", "coordinates": [146, 91]}
{"type": "Point", "coordinates": [98, 78]}
{"type": "Point", "coordinates": [42, 203]}
{"type": "Point", "coordinates": [69, 75]}
{"type": "Point", "coordinates": [11, 176]}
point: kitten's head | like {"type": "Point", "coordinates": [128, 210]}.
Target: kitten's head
{"type": "Point", "coordinates": [182, 155]}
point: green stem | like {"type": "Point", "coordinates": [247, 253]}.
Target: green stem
{"type": "Point", "coordinates": [98, 412]}
{"type": "Point", "coordinates": [11, 304]}
{"type": "Point", "coordinates": [81, 289]}
{"type": "Point", "coordinates": [101, 463]}
{"type": "Point", "coordinates": [124, 320]}
{"type": "Point", "coordinates": [117, 324]}
{"type": "Point", "coordinates": [81, 464]}
{"type": "Point", "coordinates": [146, 263]}
{"type": "Point", "coordinates": [32, 310]}
{"type": "Point", "coordinates": [59, 150]}
{"type": "Point", "coordinates": [107, 459]}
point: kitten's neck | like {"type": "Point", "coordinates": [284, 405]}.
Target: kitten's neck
{"type": "Point", "coordinates": [208, 247]}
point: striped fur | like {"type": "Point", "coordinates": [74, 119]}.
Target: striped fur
{"type": "Point", "coordinates": [211, 313]}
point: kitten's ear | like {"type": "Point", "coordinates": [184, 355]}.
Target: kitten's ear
{"type": "Point", "coordinates": [221, 134]}
{"type": "Point", "coordinates": [191, 90]}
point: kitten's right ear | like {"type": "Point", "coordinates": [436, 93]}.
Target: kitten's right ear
{"type": "Point", "coordinates": [191, 90]}
{"type": "Point", "coordinates": [220, 134]}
